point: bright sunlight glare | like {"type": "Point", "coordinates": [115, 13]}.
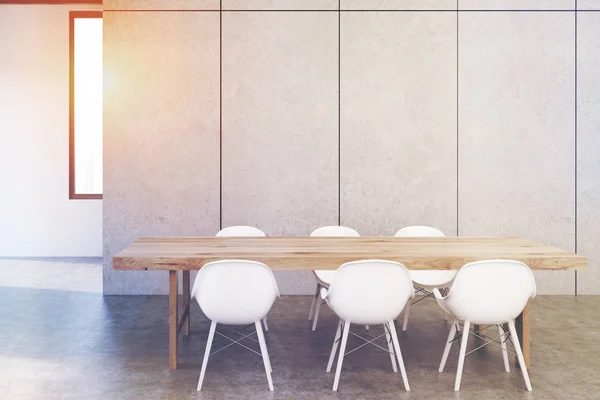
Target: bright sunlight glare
{"type": "Point", "coordinates": [88, 105]}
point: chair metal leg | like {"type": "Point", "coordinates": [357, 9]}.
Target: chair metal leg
{"type": "Point", "coordinates": [312, 305]}
{"type": "Point", "coordinates": [503, 338]}
{"type": "Point", "coordinates": [388, 339]}
{"type": "Point", "coordinates": [399, 355]}
{"type": "Point", "coordinates": [513, 333]}
{"type": "Point", "coordinates": [336, 342]}
{"type": "Point", "coordinates": [268, 357]}
{"type": "Point", "coordinates": [211, 335]}
{"type": "Point", "coordinates": [461, 356]}
{"type": "Point", "coordinates": [338, 369]}
{"type": "Point", "coordinates": [449, 341]}
{"type": "Point", "coordinates": [265, 323]}
{"type": "Point", "coordinates": [406, 314]}
{"type": "Point", "coordinates": [265, 354]}
{"type": "Point", "coordinates": [269, 360]}
{"type": "Point", "coordinates": [316, 317]}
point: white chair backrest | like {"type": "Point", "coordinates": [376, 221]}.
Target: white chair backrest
{"type": "Point", "coordinates": [240, 230]}
{"type": "Point", "coordinates": [334, 230]}
{"type": "Point", "coordinates": [491, 292]}
{"type": "Point", "coordinates": [370, 291]}
{"type": "Point", "coordinates": [235, 292]}
{"type": "Point", "coordinates": [419, 231]}
{"type": "Point", "coordinates": [433, 278]}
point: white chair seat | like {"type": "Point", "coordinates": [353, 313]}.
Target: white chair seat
{"type": "Point", "coordinates": [425, 281]}
{"type": "Point", "coordinates": [369, 292]}
{"type": "Point", "coordinates": [325, 277]}
{"type": "Point", "coordinates": [235, 292]}
{"type": "Point", "coordinates": [240, 230]}
{"type": "Point", "coordinates": [432, 279]}
{"type": "Point", "coordinates": [490, 292]}
{"type": "Point", "coordinates": [243, 231]}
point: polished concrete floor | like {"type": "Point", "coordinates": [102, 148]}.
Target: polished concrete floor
{"type": "Point", "coordinates": [57, 342]}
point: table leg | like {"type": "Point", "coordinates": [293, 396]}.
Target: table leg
{"type": "Point", "coordinates": [186, 302]}
{"type": "Point", "coordinates": [523, 324]}
{"type": "Point", "coordinates": [173, 311]}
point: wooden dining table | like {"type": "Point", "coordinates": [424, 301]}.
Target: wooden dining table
{"type": "Point", "coordinates": [290, 253]}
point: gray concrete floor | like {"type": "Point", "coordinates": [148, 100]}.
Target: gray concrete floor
{"type": "Point", "coordinates": [57, 342]}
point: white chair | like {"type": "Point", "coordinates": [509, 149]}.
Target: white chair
{"type": "Point", "coordinates": [325, 277]}
{"type": "Point", "coordinates": [240, 230]}
{"type": "Point", "coordinates": [247, 231]}
{"type": "Point", "coordinates": [491, 292]}
{"type": "Point", "coordinates": [368, 292]}
{"type": "Point", "coordinates": [425, 281]}
{"type": "Point", "coordinates": [235, 292]}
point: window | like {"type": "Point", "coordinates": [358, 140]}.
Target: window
{"type": "Point", "coordinates": [85, 105]}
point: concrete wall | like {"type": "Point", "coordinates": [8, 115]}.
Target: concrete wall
{"type": "Point", "coordinates": [388, 113]}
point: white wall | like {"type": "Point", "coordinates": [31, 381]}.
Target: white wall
{"type": "Point", "coordinates": [588, 145]}
{"type": "Point", "coordinates": [462, 120]}
{"type": "Point", "coordinates": [36, 216]}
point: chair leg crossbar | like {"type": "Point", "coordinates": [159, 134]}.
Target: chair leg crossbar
{"type": "Point", "coordinates": [372, 341]}
{"type": "Point", "coordinates": [261, 341]}
{"type": "Point", "coordinates": [426, 294]}
{"type": "Point", "coordinates": [391, 339]}
{"type": "Point", "coordinates": [500, 342]}
{"type": "Point", "coordinates": [234, 341]}
{"type": "Point", "coordinates": [502, 339]}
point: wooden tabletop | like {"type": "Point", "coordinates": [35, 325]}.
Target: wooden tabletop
{"type": "Point", "coordinates": [311, 253]}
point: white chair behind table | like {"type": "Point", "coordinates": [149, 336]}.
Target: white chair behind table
{"type": "Point", "coordinates": [243, 231]}
{"type": "Point", "coordinates": [425, 281]}
{"type": "Point", "coordinates": [490, 292]}
{"type": "Point", "coordinates": [235, 292]}
{"type": "Point", "coordinates": [325, 277]}
{"type": "Point", "coordinates": [240, 230]}
{"type": "Point", "coordinates": [368, 292]}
